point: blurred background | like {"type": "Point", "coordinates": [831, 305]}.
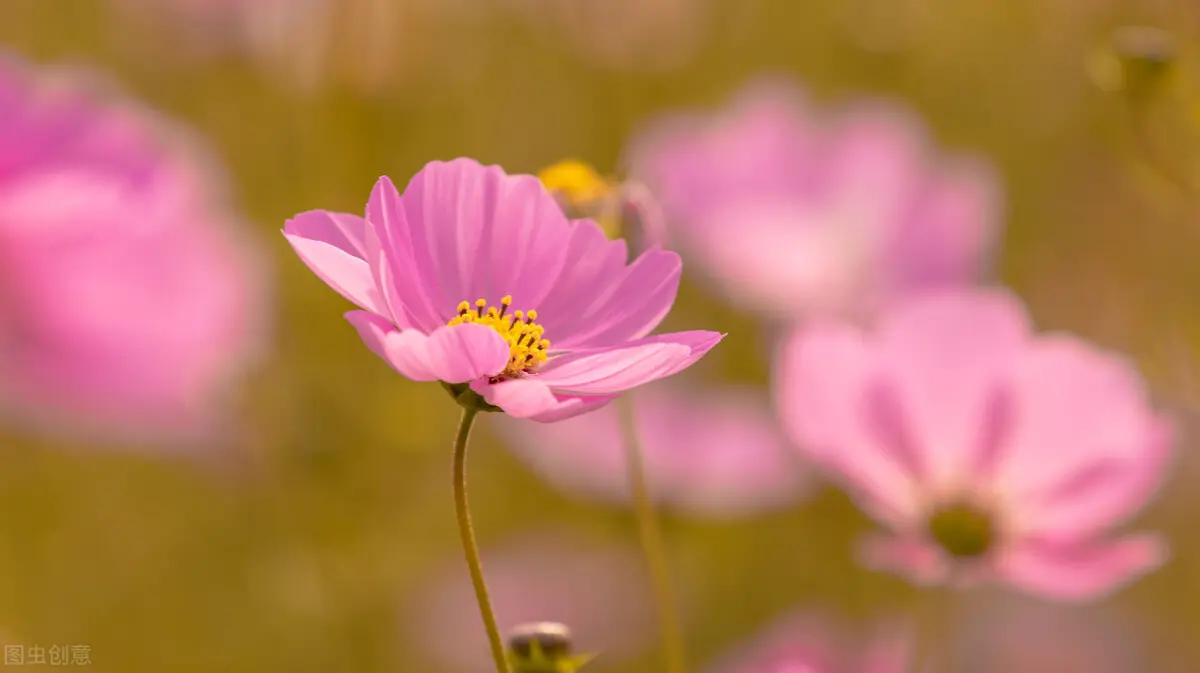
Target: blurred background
{"type": "Point", "coordinates": [316, 533]}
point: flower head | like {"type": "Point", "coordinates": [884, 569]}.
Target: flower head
{"type": "Point", "coordinates": [716, 454]}
{"type": "Point", "coordinates": [990, 453]}
{"type": "Point", "coordinates": [127, 302]}
{"type": "Point", "coordinates": [476, 278]}
{"type": "Point", "coordinates": [792, 211]}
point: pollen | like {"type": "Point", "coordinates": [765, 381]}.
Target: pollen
{"type": "Point", "coordinates": [526, 347]}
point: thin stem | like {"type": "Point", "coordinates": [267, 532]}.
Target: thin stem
{"type": "Point", "coordinates": [933, 607]}
{"type": "Point", "coordinates": [470, 548]}
{"type": "Point", "coordinates": [652, 544]}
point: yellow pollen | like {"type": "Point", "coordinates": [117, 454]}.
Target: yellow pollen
{"type": "Point", "coordinates": [575, 181]}
{"type": "Point", "coordinates": [526, 347]}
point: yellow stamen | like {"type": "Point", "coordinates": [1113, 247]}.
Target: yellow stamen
{"type": "Point", "coordinates": [584, 193]}
{"type": "Point", "coordinates": [527, 348]}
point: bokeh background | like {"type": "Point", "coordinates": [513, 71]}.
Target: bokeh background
{"type": "Point", "coordinates": [313, 538]}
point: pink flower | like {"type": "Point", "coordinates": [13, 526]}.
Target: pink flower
{"type": "Point", "coordinates": [600, 592]}
{"type": "Point", "coordinates": [794, 211]}
{"type": "Point", "coordinates": [463, 231]}
{"type": "Point", "coordinates": [128, 306]}
{"type": "Point", "coordinates": [990, 453]}
{"type": "Point", "coordinates": [717, 453]}
{"type": "Point", "coordinates": [806, 643]}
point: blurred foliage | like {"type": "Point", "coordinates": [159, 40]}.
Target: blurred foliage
{"type": "Point", "coordinates": [294, 548]}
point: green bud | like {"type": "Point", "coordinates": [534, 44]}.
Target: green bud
{"type": "Point", "coordinates": [543, 647]}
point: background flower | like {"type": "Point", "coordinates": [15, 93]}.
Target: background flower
{"type": "Point", "coordinates": [791, 210]}
{"type": "Point", "coordinates": [130, 303]}
{"type": "Point", "coordinates": [809, 642]}
{"type": "Point", "coordinates": [989, 452]}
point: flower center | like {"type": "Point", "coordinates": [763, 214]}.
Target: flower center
{"type": "Point", "coordinates": [963, 531]}
{"type": "Point", "coordinates": [526, 347]}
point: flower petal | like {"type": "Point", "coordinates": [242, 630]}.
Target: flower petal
{"type": "Point", "coordinates": [452, 354]}
{"type": "Point", "coordinates": [1084, 571]}
{"type": "Point", "coordinates": [466, 352]}
{"type": "Point", "coordinates": [483, 233]}
{"type": "Point", "coordinates": [1102, 494]}
{"type": "Point", "coordinates": [917, 561]}
{"type": "Point", "coordinates": [949, 354]}
{"type": "Point", "coordinates": [822, 384]}
{"type": "Point", "coordinates": [605, 371]}
{"type": "Point", "coordinates": [341, 230]}
{"type": "Point", "coordinates": [532, 399]}
{"type": "Point", "coordinates": [341, 269]}
{"type": "Point", "coordinates": [403, 269]}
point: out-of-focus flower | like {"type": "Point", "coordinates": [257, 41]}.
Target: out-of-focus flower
{"type": "Point", "coordinates": [654, 35]}
{"type": "Point", "coordinates": [792, 212]}
{"type": "Point", "coordinates": [622, 209]}
{"type": "Point", "coordinates": [601, 592]}
{"type": "Point", "coordinates": [462, 230]}
{"type": "Point", "coordinates": [127, 304]}
{"type": "Point", "coordinates": [715, 453]}
{"type": "Point", "coordinates": [1007, 634]}
{"type": "Point", "coordinates": [991, 454]}
{"type": "Point", "coordinates": [806, 643]}
{"type": "Point", "coordinates": [1136, 60]}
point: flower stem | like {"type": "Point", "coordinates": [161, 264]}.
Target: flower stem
{"type": "Point", "coordinates": [470, 548]}
{"type": "Point", "coordinates": [652, 544]}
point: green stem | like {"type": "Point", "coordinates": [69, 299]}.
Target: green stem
{"type": "Point", "coordinates": [470, 548]}
{"type": "Point", "coordinates": [652, 544]}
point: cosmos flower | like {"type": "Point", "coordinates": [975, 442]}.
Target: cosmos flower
{"type": "Point", "coordinates": [717, 453]}
{"type": "Point", "coordinates": [990, 453]}
{"type": "Point", "coordinates": [461, 231]}
{"type": "Point", "coordinates": [792, 211]}
{"type": "Point", "coordinates": [804, 642]}
{"type": "Point", "coordinates": [128, 305]}
{"type": "Point", "coordinates": [601, 592]}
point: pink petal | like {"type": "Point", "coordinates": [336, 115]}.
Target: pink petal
{"type": "Point", "coordinates": [1101, 495]}
{"type": "Point", "coordinates": [626, 306]}
{"type": "Point", "coordinates": [466, 352]}
{"type": "Point", "coordinates": [405, 350]}
{"type": "Point", "coordinates": [531, 399]}
{"type": "Point", "coordinates": [455, 354]}
{"type": "Point", "coordinates": [822, 381]}
{"type": "Point", "coordinates": [341, 230]}
{"type": "Point", "coordinates": [403, 270]}
{"type": "Point", "coordinates": [1078, 408]}
{"type": "Point", "coordinates": [949, 355]}
{"type": "Point", "coordinates": [605, 371]}
{"type": "Point", "coordinates": [950, 233]}
{"type": "Point", "coordinates": [591, 262]}
{"type": "Point", "coordinates": [346, 273]}
{"type": "Point", "coordinates": [1081, 572]}
{"type": "Point", "coordinates": [482, 233]}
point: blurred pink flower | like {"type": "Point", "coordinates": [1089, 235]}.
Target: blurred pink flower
{"type": "Point", "coordinates": [806, 643]}
{"type": "Point", "coordinates": [127, 304]}
{"type": "Point", "coordinates": [461, 231]}
{"type": "Point", "coordinates": [793, 211]}
{"type": "Point", "coordinates": [991, 453]}
{"type": "Point", "coordinates": [1005, 634]}
{"type": "Point", "coordinates": [600, 592]}
{"type": "Point", "coordinates": [717, 453]}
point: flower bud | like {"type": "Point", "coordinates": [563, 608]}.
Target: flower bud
{"type": "Point", "coordinates": [543, 647]}
{"type": "Point", "coordinates": [1136, 60]}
